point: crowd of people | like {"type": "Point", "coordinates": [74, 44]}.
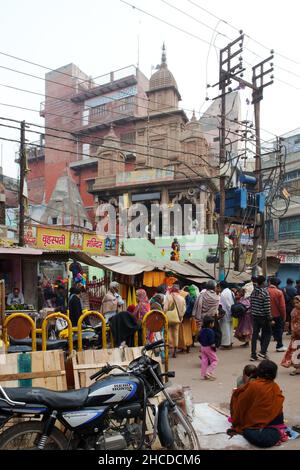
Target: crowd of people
{"type": "Point", "coordinates": [213, 316]}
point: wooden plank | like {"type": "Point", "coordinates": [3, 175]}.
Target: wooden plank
{"type": "Point", "coordinates": [37, 365]}
{"type": "Point", "coordinates": [11, 366]}
{"type": "Point", "coordinates": [75, 372]}
{"type": "Point", "coordinates": [59, 384]}
{"type": "Point", "coordinates": [64, 384]}
{"type": "Point", "coordinates": [32, 375]}
{"type": "Point", "coordinates": [48, 366]}
{"type": "Point", "coordinates": [89, 358]}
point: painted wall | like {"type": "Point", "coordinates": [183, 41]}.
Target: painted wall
{"type": "Point", "coordinates": [192, 247]}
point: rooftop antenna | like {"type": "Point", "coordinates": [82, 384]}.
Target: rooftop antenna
{"type": "Point", "coordinates": [138, 45]}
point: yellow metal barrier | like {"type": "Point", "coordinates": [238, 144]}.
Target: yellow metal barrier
{"type": "Point", "coordinates": [19, 315]}
{"type": "Point", "coordinates": [79, 327]}
{"type": "Point", "coordinates": [44, 330]}
{"type": "Point", "coordinates": [166, 337]}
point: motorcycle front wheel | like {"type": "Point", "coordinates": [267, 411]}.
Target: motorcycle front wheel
{"type": "Point", "coordinates": [26, 435]}
{"type": "Point", "coordinates": [184, 435]}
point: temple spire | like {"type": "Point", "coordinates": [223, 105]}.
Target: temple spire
{"type": "Point", "coordinates": [164, 55]}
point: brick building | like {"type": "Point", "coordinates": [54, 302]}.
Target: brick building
{"type": "Point", "coordinates": [124, 136]}
{"type": "Point", "coordinates": [77, 115]}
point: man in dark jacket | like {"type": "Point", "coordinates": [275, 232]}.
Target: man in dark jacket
{"type": "Point", "coordinates": [123, 326]}
{"type": "Point", "coordinates": [74, 304]}
{"type": "Point", "coordinates": [261, 316]}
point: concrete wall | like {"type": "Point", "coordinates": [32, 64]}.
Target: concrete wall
{"type": "Point", "coordinates": [30, 281]}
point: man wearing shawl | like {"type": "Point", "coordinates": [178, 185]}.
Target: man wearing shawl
{"type": "Point", "coordinates": [207, 302]}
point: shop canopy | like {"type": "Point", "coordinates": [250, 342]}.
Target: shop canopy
{"type": "Point", "coordinates": [61, 255]}
{"type": "Point", "coordinates": [195, 271]}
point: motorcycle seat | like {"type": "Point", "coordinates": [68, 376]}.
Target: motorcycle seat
{"type": "Point", "coordinates": [18, 348]}
{"type": "Point", "coordinates": [53, 400]}
{"type": "Point", "coordinates": [51, 344]}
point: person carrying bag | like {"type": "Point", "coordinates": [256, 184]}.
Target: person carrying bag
{"type": "Point", "coordinates": [175, 310]}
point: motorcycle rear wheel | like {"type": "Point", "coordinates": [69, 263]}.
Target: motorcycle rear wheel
{"type": "Point", "coordinates": [26, 435]}
{"type": "Point", "coordinates": [184, 435]}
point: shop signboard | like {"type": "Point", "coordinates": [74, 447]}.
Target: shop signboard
{"type": "Point", "coordinates": [289, 258]}
{"type": "Point", "coordinates": [52, 239]}
{"type": "Point", "coordinates": [93, 244]}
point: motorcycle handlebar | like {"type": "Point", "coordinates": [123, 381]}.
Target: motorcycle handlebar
{"type": "Point", "coordinates": [105, 370]}
{"type": "Point", "coordinates": [154, 345]}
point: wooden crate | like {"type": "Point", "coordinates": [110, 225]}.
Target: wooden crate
{"type": "Point", "coordinates": [86, 363]}
{"type": "Point", "coordinates": [35, 369]}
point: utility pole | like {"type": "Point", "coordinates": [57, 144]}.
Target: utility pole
{"type": "Point", "coordinates": [226, 72]}
{"type": "Point", "coordinates": [259, 72]}
{"type": "Point", "coordinates": [22, 162]}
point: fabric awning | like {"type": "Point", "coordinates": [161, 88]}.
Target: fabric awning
{"type": "Point", "coordinates": [20, 250]}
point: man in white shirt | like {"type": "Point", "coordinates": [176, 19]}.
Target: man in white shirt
{"type": "Point", "coordinates": [226, 301]}
{"type": "Point", "coordinates": [15, 297]}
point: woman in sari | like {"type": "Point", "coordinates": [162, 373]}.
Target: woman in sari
{"type": "Point", "coordinates": [244, 328]}
{"type": "Point", "coordinates": [257, 408]}
{"type": "Point", "coordinates": [175, 301]}
{"type": "Point", "coordinates": [143, 305]}
{"type": "Point", "coordinates": [291, 357]}
{"type": "Point", "coordinates": [186, 327]}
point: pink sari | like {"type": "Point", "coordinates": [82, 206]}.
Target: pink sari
{"type": "Point", "coordinates": [143, 305]}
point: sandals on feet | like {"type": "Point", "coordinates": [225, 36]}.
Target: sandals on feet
{"type": "Point", "coordinates": [294, 372]}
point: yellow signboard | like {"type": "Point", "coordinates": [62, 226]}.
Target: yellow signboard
{"type": "Point", "coordinates": [93, 244]}
{"type": "Point", "coordinates": [50, 239]}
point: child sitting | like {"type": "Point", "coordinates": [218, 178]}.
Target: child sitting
{"type": "Point", "coordinates": [209, 358]}
{"type": "Point", "coordinates": [249, 373]}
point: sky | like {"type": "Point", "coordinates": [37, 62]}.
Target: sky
{"type": "Point", "coordinates": [103, 35]}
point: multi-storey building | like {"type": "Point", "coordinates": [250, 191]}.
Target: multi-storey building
{"type": "Point", "coordinates": [284, 232]}
{"type": "Point", "coordinates": [127, 137]}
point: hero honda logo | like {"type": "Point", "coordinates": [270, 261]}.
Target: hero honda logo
{"type": "Point", "coordinates": [122, 386]}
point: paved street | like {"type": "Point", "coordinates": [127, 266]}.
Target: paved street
{"type": "Point", "coordinates": [230, 366]}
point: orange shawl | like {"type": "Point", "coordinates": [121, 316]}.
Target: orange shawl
{"type": "Point", "coordinates": [255, 405]}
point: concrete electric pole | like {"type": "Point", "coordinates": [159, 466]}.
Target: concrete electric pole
{"type": "Point", "coordinates": [22, 163]}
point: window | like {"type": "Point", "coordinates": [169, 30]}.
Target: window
{"type": "Point", "coordinates": [128, 138]}
{"type": "Point", "coordinates": [98, 111]}
{"type": "Point", "coordinates": [126, 104]}
{"type": "Point", "coordinates": [54, 220]}
{"type": "Point", "coordinates": [90, 184]}
{"type": "Point", "coordinates": [85, 151]}
{"type": "Point", "coordinates": [158, 149]}
{"type": "Point", "coordinates": [289, 227]}
{"type": "Point", "coordinates": [292, 175]}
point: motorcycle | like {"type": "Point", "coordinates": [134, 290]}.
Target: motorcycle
{"type": "Point", "coordinates": [114, 413]}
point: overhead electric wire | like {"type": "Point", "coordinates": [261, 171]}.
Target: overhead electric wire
{"type": "Point", "coordinates": [114, 160]}
{"type": "Point", "coordinates": [197, 37]}
{"type": "Point", "coordinates": [122, 150]}
{"type": "Point", "coordinates": [96, 122]}
{"type": "Point", "coordinates": [165, 22]}
{"type": "Point", "coordinates": [238, 30]}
